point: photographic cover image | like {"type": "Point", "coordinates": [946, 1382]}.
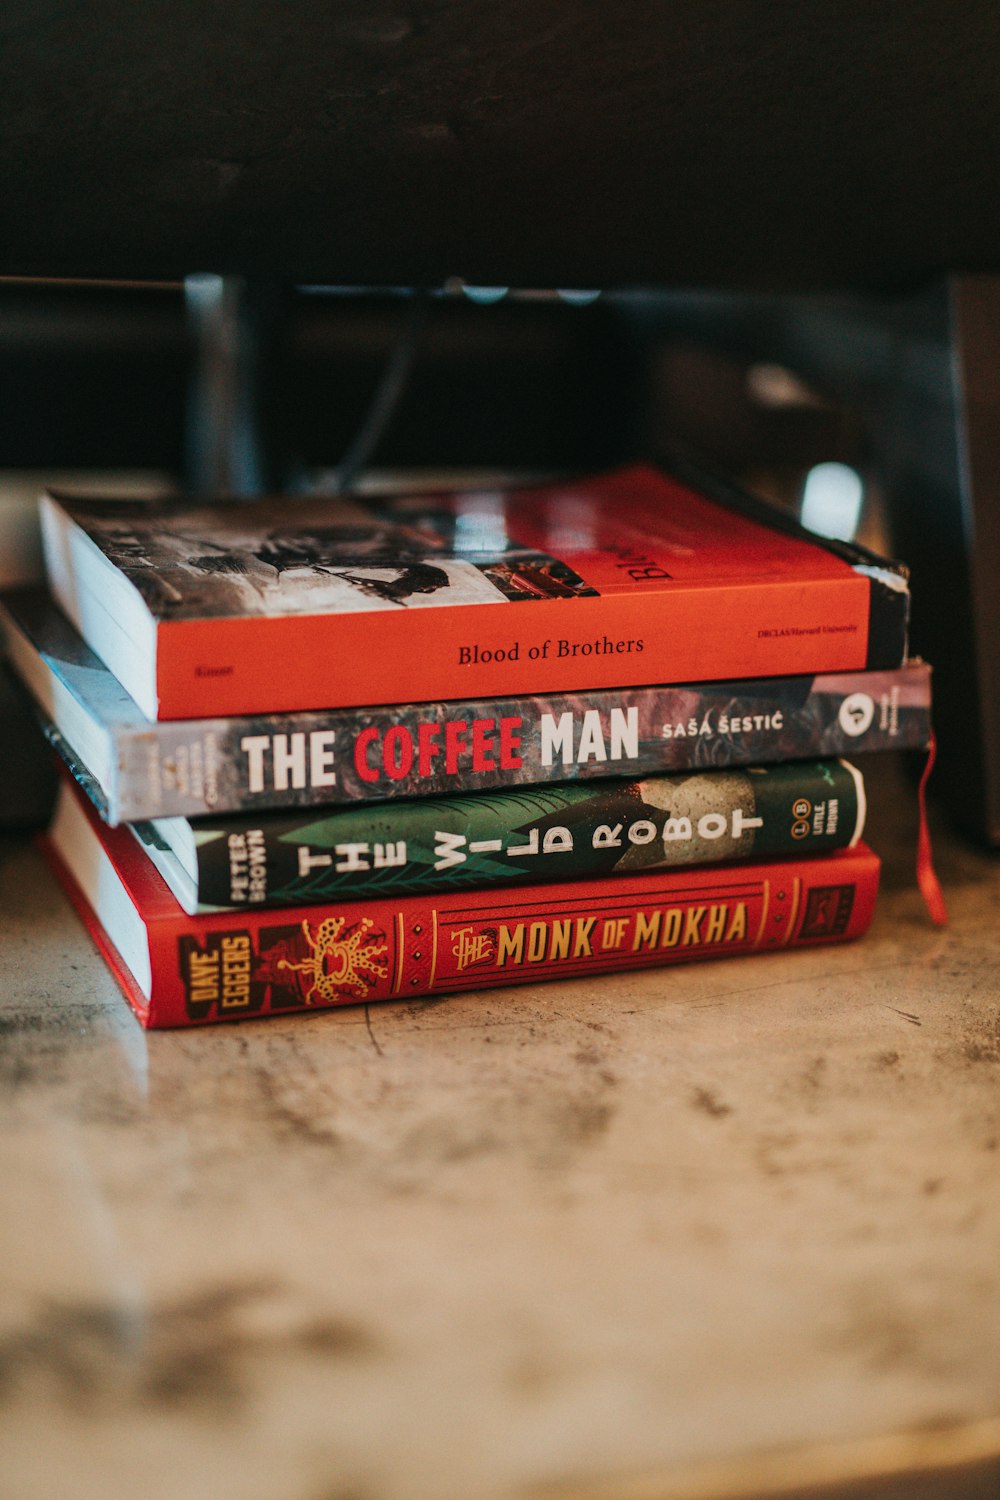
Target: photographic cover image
{"type": "Point", "coordinates": [309, 557]}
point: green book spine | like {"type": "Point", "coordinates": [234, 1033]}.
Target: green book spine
{"type": "Point", "coordinates": [563, 832]}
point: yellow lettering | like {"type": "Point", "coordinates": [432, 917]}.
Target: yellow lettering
{"type": "Point", "coordinates": [672, 927]}
{"type": "Point", "coordinates": [203, 977]}
{"type": "Point", "coordinates": [536, 942]}
{"type": "Point", "coordinates": [511, 945]}
{"type": "Point", "coordinates": [738, 923]}
{"type": "Point", "coordinates": [584, 927]}
{"type": "Point", "coordinates": [692, 925]}
{"type": "Point", "coordinates": [203, 963]}
{"type": "Point", "coordinates": [715, 927]}
{"type": "Point", "coordinates": [236, 968]}
{"type": "Point", "coordinates": [647, 930]}
{"type": "Point", "coordinates": [559, 942]}
{"type": "Point", "coordinates": [613, 932]}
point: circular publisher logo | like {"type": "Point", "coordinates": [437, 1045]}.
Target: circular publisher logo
{"type": "Point", "coordinates": [801, 807]}
{"type": "Point", "coordinates": [856, 713]}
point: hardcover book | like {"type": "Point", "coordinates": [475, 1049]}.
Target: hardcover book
{"type": "Point", "coordinates": [627, 578]}
{"type": "Point", "coordinates": [571, 832]}
{"type": "Point", "coordinates": [179, 970]}
{"type": "Point", "coordinates": [137, 770]}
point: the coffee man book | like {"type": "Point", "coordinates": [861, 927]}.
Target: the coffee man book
{"type": "Point", "coordinates": [602, 582]}
{"type": "Point", "coordinates": [135, 769]}
{"type": "Point", "coordinates": [179, 970]}
{"type": "Point", "coordinates": [575, 831]}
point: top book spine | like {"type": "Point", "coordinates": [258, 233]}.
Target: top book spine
{"type": "Point", "coordinates": [632, 578]}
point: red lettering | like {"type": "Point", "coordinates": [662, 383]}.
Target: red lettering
{"type": "Point", "coordinates": [428, 746]}
{"type": "Point", "coordinates": [455, 743]}
{"type": "Point", "coordinates": [482, 744]}
{"type": "Point", "coordinates": [510, 744]}
{"type": "Point", "coordinates": [400, 748]}
{"type": "Point", "coordinates": [365, 738]}
{"type": "Point", "coordinates": [397, 752]}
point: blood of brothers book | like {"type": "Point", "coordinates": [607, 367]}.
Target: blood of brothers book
{"type": "Point", "coordinates": [627, 578]}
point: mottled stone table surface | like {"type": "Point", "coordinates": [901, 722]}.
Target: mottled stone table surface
{"type": "Point", "coordinates": [718, 1230]}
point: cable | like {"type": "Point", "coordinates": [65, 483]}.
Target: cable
{"type": "Point", "coordinates": [387, 395]}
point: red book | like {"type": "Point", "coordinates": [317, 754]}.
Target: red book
{"type": "Point", "coordinates": [179, 970]}
{"type": "Point", "coordinates": [627, 578]}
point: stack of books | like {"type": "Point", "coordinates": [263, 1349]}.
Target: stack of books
{"type": "Point", "coordinates": [324, 761]}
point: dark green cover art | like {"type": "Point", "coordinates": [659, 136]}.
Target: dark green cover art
{"type": "Point", "coordinates": [526, 834]}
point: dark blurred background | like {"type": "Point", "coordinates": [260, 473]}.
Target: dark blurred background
{"type": "Point", "coordinates": [213, 217]}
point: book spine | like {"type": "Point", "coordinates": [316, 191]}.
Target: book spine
{"type": "Point", "coordinates": [268, 963]}
{"type": "Point", "coordinates": [295, 662]}
{"type": "Point", "coordinates": [196, 767]}
{"type": "Point", "coordinates": [540, 833]}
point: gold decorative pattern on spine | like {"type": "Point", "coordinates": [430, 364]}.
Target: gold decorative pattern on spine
{"type": "Point", "coordinates": [793, 914]}
{"type": "Point", "coordinates": [340, 966]}
{"type": "Point", "coordinates": [397, 983]}
{"type": "Point", "coordinates": [765, 908]}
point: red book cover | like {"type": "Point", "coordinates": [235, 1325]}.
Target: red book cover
{"type": "Point", "coordinates": [631, 577]}
{"type": "Point", "coordinates": [225, 966]}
